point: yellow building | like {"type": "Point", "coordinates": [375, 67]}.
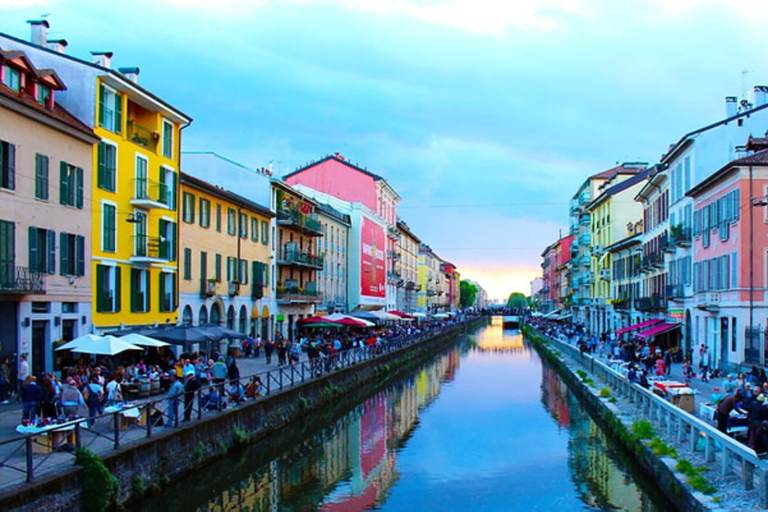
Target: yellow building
{"type": "Point", "coordinates": [224, 266]}
{"type": "Point", "coordinates": [407, 267]}
{"type": "Point", "coordinates": [429, 270]}
{"type": "Point", "coordinates": [134, 188]}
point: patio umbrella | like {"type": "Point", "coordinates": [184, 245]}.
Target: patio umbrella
{"type": "Point", "coordinates": [98, 345]}
{"type": "Point", "coordinates": [365, 315]}
{"type": "Point", "coordinates": [401, 314]}
{"type": "Point", "coordinates": [222, 332]}
{"type": "Point", "coordinates": [419, 315]}
{"type": "Point", "coordinates": [184, 334]}
{"type": "Point", "coordinates": [309, 325]}
{"type": "Point", "coordinates": [349, 321]}
{"type": "Point", "coordinates": [383, 315]}
{"type": "Point", "coordinates": [313, 320]}
{"type": "Point", "coordinates": [143, 341]}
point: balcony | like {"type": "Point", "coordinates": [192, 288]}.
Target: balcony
{"type": "Point", "coordinates": [621, 304]}
{"type": "Point", "coordinates": [293, 294]}
{"type": "Point", "coordinates": [708, 301]}
{"type": "Point", "coordinates": [410, 285]}
{"type": "Point", "coordinates": [676, 292]}
{"type": "Point", "coordinates": [208, 288]}
{"type": "Point", "coordinates": [575, 209]}
{"type": "Point", "coordinates": [585, 239]}
{"type": "Point", "coordinates": [584, 198]}
{"type": "Point", "coordinates": [21, 281]}
{"type": "Point", "coordinates": [393, 232]}
{"type": "Point", "coordinates": [545, 263]}
{"type": "Point", "coordinates": [149, 194]}
{"type": "Point", "coordinates": [680, 236]}
{"type": "Point", "coordinates": [605, 274]}
{"type": "Point", "coordinates": [585, 260]}
{"type": "Point", "coordinates": [293, 256]}
{"type": "Point", "coordinates": [233, 288]}
{"type": "Point", "coordinates": [666, 245]}
{"type": "Point", "coordinates": [585, 220]}
{"type": "Point", "coordinates": [588, 278]}
{"type": "Point", "coordinates": [394, 278]}
{"type": "Point", "coordinates": [142, 136]}
{"type": "Point", "coordinates": [305, 222]}
{"type": "Point", "coordinates": [654, 303]}
{"type": "Point", "coordinates": [150, 249]}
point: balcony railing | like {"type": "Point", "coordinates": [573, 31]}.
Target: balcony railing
{"type": "Point", "coordinates": [142, 136]}
{"type": "Point", "coordinates": [21, 281]}
{"type": "Point", "coordinates": [654, 303]}
{"type": "Point", "coordinates": [585, 238]}
{"type": "Point", "coordinates": [666, 245]}
{"type": "Point", "coordinates": [150, 248]}
{"type": "Point", "coordinates": [622, 304]}
{"type": "Point", "coordinates": [585, 220]}
{"type": "Point", "coordinates": [680, 236]}
{"type": "Point", "coordinates": [310, 294]}
{"type": "Point", "coordinates": [208, 288]}
{"type": "Point", "coordinates": [605, 274]}
{"type": "Point", "coordinates": [302, 221]}
{"type": "Point", "coordinates": [149, 194]}
{"type": "Point", "coordinates": [675, 291]}
{"type": "Point", "coordinates": [293, 256]}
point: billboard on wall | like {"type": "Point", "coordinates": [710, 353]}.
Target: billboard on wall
{"type": "Point", "coordinates": [373, 270]}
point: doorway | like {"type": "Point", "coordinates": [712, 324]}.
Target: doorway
{"type": "Point", "coordinates": [39, 341]}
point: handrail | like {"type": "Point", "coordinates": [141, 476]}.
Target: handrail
{"type": "Point", "coordinates": [274, 380]}
{"type": "Point", "coordinates": [751, 468]}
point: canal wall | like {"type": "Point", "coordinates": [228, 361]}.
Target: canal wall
{"type": "Point", "coordinates": [619, 427]}
{"type": "Point", "coordinates": [151, 464]}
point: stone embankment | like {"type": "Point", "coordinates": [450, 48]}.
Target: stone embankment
{"type": "Point", "coordinates": [678, 457]}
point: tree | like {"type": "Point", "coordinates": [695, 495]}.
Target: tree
{"type": "Point", "coordinates": [517, 300]}
{"type": "Point", "coordinates": [467, 293]}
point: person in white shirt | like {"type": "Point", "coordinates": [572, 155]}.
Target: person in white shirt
{"type": "Point", "coordinates": [23, 371]}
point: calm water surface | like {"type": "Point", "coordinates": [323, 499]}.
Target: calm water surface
{"type": "Point", "coordinates": [484, 426]}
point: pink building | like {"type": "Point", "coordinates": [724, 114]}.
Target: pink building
{"type": "Point", "coordinates": [730, 235]}
{"type": "Point", "coordinates": [336, 177]}
{"type": "Point", "coordinates": [555, 259]}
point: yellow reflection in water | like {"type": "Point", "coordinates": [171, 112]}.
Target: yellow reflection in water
{"type": "Point", "coordinates": [497, 340]}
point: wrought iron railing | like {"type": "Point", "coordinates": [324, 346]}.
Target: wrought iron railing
{"type": "Point", "coordinates": [21, 280]}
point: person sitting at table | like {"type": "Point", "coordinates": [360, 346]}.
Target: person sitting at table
{"type": "Point", "coordinates": [31, 395]}
{"type": "Point", "coordinates": [71, 399]}
{"type": "Point", "coordinates": [48, 403]}
{"type": "Point", "coordinates": [756, 415]}
{"type": "Point", "coordinates": [725, 407]}
{"type": "Point", "coordinates": [729, 386]}
{"type": "Point", "coordinates": [141, 368]}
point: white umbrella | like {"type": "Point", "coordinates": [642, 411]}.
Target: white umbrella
{"type": "Point", "coordinates": [386, 316]}
{"type": "Point", "coordinates": [419, 315]}
{"type": "Point", "coordinates": [340, 316]}
{"type": "Point", "coordinates": [143, 341]}
{"type": "Point", "coordinates": [99, 345]}
{"type": "Point", "coordinates": [442, 315]}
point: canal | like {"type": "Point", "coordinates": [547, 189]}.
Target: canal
{"type": "Point", "coordinates": [485, 425]}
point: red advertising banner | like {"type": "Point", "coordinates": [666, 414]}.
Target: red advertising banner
{"type": "Point", "coordinates": [373, 271]}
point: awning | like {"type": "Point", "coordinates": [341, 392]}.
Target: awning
{"type": "Point", "coordinates": [656, 329]}
{"type": "Point", "coordinates": [552, 313]}
{"type": "Point", "coordinates": [641, 325]}
{"type": "Point", "coordinates": [564, 316]}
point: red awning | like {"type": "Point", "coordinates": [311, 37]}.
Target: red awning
{"type": "Point", "coordinates": [641, 325]}
{"type": "Point", "coordinates": [400, 314]}
{"type": "Point", "coordinates": [656, 329]}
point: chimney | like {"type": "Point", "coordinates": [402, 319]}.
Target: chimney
{"type": "Point", "coordinates": [730, 106]}
{"type": "Point", "coordinates": [39, 34]}
{"type": "Point", "coordinates": [58, 45]}
{"type": "Point", "coordinates": [761, 95]}
{"type": "Point", "coordinates": [102, 59]}
{"type": "Point", "coordinates": [131, 73]}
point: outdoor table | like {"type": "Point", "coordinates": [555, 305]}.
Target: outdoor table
{"type": "Point", "coordinates": [737, 424]}
{"type": "Point", "coordinates": [130, 414]}
{"type": "Point", "coordinates": [707, 411]}
{"type": "Point", "coordinates": [47, 439]}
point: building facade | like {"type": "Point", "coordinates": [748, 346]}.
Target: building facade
{"type": "Point", "coordinates": [407, 264]}
{"type": "Point", "coordinates": [45, 218]}
{"type": "Point", "coordinates": [334, 246]}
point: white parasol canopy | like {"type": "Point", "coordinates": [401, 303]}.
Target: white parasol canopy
{"type": "Point", "coordinates": [143, 341]}
{"type": "Point", "coordinates": [99, 345]}
{"type": "Point", "coordinates": [340, 316]}
{"type": "Point", "coordinates": [387, 316]}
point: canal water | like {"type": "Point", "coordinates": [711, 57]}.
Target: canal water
{"type": "Point", "coordinates": [486, 425]}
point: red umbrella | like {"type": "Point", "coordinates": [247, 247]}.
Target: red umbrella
{"type": "Point", "coordinates": [401, 314]}
{"type": "Point", "coordinates": [350, 322]}
{"type": "Point", "coordinates": [314, 320]}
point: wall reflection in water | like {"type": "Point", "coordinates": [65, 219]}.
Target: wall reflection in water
{"type": "Point", "coordinates": [599, 472]}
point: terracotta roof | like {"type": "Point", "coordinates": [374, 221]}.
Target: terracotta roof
{"type": "Point", "coordinates": [757, 158]}
{"type": "Point", "coordinates": [620, 169]}
{"type": "Point", "coordinates": [58, 112]}
{"type": "Point", "coordinates": [756, 143]}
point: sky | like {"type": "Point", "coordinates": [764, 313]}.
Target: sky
{"type": "Point", "coordinates": [485, 116]}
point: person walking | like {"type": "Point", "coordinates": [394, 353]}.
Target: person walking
{"type": "Point", "coordinates": [22, 372]}
{"type": "Point", "coordinates": [704, 362]}
{"type": "Point", "coordinates": [174, 397]}
{"type": "Point", "coordinates": [269, 347]}
{"type": "Point", "coordinates": [190, 388]}
{"type": "Point", "coordinates": [30, 395]}
{"type": "Point", "coordinates": [71, 399]}
{"type": "Point", "coordinates": [94, 395]}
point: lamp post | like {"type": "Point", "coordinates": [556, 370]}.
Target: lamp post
{"type": "Point", "coordinates": [756, 202]}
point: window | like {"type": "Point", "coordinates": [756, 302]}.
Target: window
{"type": "Point", "coordinates": [7, 165]}
{"type": "Point", "coordinates": [108, 289]}
{"type": "Point", "coordinates": [108, 227]}
{"type": "Point", "coordinates": [687, 167]}
{"type": "Point", "coordinates": [203, 266]}
{"type": "Point", "coordinates": [167, 139]}
{"type": "Point", "coordinates": [43, 94]}
{"type": "Point", "coordinates": [231, 268]}
{"type": "Point", "coordinates": [70, 185]}
{"type": "Point", "coordinates": [168, 188]}
{"type": "Point", "coordinates": [110, 109]}
{"type": "Point", "coordinates": [12, 78]}
{"type": "Point", "coordinates": [140, 290]}
{"type": "Point", "coordinates": [140, 245]}
{"type": "Point", "coordinates": [107, 166]}
{"type": "Point", "coordinates": [71, 255]}
{"type": "Point", "coordinates": [7, 252]}
{"type": "Point", "coordinates": [205, 213]}
{"type": "Point", "coordinates": [41, 177]}
{"type": "Point", "coordinates": [243, 225]}
{"type": "Point", "coordinates": [254, 229]}
{"type": "Point", "coordinates": [42, 250]}
{"type": "Point", "coordinates": [217, 270]}
{"type": "Point", "coordinates": [218, 218]}
{"type": "Point", "coordinates": [264, 232]}
{"type": "Point", "coordinates": [187, 264]}
{"type": "Point", "coordinates": [734, 271]}
{"type": "Point", "coordinates": [167, 232]}
{"type": "Point", "coordinates": [142, 180]}
{"type": "Point", "coordinates": [188, 208]}
{"type": "Point", "coordinates": [243, 272]}
{"type": "Point", "coordinates": [167, 292]}
{"type": "Point", "coordinates": [231, 221]}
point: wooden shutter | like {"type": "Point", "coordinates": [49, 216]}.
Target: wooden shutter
{"type": "Point", "coordinates": [80, 249]}
{"type": "Point", "coordinates": [162, 291]}
{"type": "Point", "coordinates": [118, 289]}
{"type": "Point", "coordinates": [63, 183]}
{"type": "Point", "coordinates": [11, 166]}
{"type": "Point", "coordinates": [203, 267]}
{"type": "Point", "coordinates": [32, 248]}
{"type": "Point", "coordinates": [63, 253]}
{"type": "Point", "coordinates": [118, 113]}
{"type": "Point", "coordinates": [102, 103]}
{"type": "Point", "coordinates": [51, 252]}
{"type": "Point", "coordinates": [135, 275]}
{"type": "Point", "coordinates": [147, 291]}
{"type": "Point", "coordinates": [79, 200]}
{"type": "Point", "coordinates": [101, 287]}
{"type": "Point", "coordinates": [101, 166]}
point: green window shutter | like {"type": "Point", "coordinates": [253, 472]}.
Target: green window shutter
{"type": "Point", "coordinates": [187, 263]}
{"type": "Point", "coordinates": [118, 113]}
{"type": "Point", "coordinates": [148, 292]}
{"type": "Point", "coordinates": [218, 218]}
{"type": "Point", "coordinates": [45, 163]}
{"type": "Point", "coordinates": [135, 275]}
{"type": "Point", "coordinates": [174, 301]}
{"type": "Point", "coordinates": [203, 266]}
{"type": "Point", "coordinates": [111, 168]}
{"type": "Point", "coordinates": [63, 183]}
{"type": "Point", "coordinates": [79, 201]}
{"type": "Point", "coordinates": [172, 188]}
{"type": "Point", "coordinates": [174, 242]}
{"type": "Point", "coordinates": [217, 270]}
{"type": "Point", "coordinates": [63, 254]}
{"type": "Point", "coordinates": [51, 252]}
{"type": "Point", "coordinates": [80, 248]}
{"type": "Point", "coordinates": [102, 166]}
{"type": "Point", "coordinates": [39, 176]}
{"type": "Point", "coordinates": [192, 209]}
{"type": "Point", "coordinates": [162, 291]}
{"type": "Point", "coordinates": [163, 187]}
{"type": "Point", "coordinates": [118, 289]}
{"type": "Point", "coordinates": [266, 275]}
{"type": "Point", "coordinates": [32, 248]}
{"type": "Point", "coordinates": [101, 287]}
{"type": "Point", "coordinates": [102, 103]}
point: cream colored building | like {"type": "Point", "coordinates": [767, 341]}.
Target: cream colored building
{"type": "Point", "coordinates": [407, 268]}
{"type": "Point", "coordinates": [333, 245]}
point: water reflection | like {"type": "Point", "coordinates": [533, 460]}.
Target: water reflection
{"type": "Point", "coordinates": [466, 431]}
